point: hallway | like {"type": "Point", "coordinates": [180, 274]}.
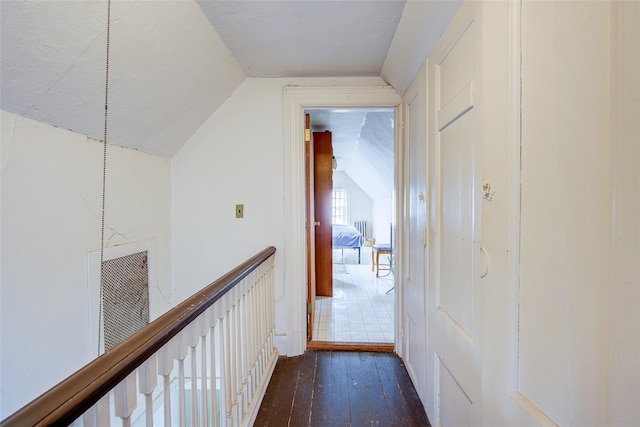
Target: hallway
{"type": "Point", "coordinates": [331, 388]}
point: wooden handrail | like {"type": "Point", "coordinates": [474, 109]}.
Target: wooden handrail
{"type": "Point", "coordinates": [72, 397]}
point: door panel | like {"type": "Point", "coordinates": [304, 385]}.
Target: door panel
{"type": "Point", "coordinates": [455, 292]}
{"type": "Point", "coordinates": [323, 187]}
{"type": "Point", "coordinates": [454, 315]}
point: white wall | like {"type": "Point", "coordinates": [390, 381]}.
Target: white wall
{"type": "Point", "coordinates": [382, 218]}
{"type": "Point", "coordinates": [566, 209]}
{"type": "Point", "coordinates": [237, 156]}
{"type": "Point", "coordinates": [51, 205]}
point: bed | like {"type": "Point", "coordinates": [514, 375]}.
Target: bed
{"type": "Point", "coordinates": [347, 237]}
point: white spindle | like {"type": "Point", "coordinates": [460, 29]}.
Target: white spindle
{"type": "Point", "coordinates": [125, 399]}
{"type": "Point", "coordinates": [165, 366]}
{"type": "Point", "coordinates": [202, 329]}
{"type": "Point", "coordinates": [213, 321]}
{"type": "Point", "coordinates": [253, 337]}
{"type": "Point", "coordinates": [192, 341]}
{"type": "Point", "coordinates": [181, 354]}
{"type": "Point", "coordinates": [235, 357]}
{"type": "Point", "coordinates": [254, 327]}
{"type": "Point", "coordinates": [265, 326]}
{"type": "Point", "coordinates": [251, 342]}
{"type": "Point", "coordinates": [225, 366]}
{"type": "Point", "coordinates": [148, 380]}
{"type": "Point", "coordinates": [98, 415]}
{"type": "Point", "coordinates": [269, 306]}
{"type": "Point", "coordinates": [242, 351]}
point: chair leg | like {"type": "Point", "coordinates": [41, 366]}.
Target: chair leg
{"type": "Point", "coordinates": [373, 262]}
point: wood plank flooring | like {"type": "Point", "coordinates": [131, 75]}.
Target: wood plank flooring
{"type": "Point", "coordinates": [341, 388]}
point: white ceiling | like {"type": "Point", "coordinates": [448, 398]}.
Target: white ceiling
{"type": "Point", "coordinates": [306, 38]}
{"type": "Point", "coordinates": [164, 52]}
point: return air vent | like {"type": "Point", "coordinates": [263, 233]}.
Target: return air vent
{"type": "Point", "coordinates": [125, 297]}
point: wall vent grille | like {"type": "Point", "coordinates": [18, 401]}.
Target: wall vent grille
{"type": "Point", "coordinates": [125, 297]}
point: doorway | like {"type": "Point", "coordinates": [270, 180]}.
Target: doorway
{"type": "Point", "coordinates": [360, 309]}
{"type": "Point", "coordinates": [294, 263]}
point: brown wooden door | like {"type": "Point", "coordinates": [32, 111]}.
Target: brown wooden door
{"type": "Point", "coordinates": [311, 230]}
{"type": "Point", "coordinates": [323, 187]}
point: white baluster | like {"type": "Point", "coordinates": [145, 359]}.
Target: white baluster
{"type": "Point", "coordinates": [244, 348]}
{"type": "Point", "coordinates": [202, 330]}
{"type": "Point", "coordinates": [250, 341]}
{"type": "Point", "coordinates": [264, 320]}
{"type": "Point", "coordinates": [181, 354]}
{"type": "Point", "coordinates": [253, 330]}
{"type": "Point", "coordinates": [225, 367]}
{"type": "Point", "coordinates": [166, 356]}
{"type": "Point", "coordinates": [258, 302]}
{"type": "Point", "coordinates": [192, 342]}
{"type": "Point", "coordinates": [235, 357]}
{"type": "Point", "coordinates": [99, 414]}
{"type": "Point", "coordinates": [148, 380]}
{"type": "Point", "coordinates": [125, 399]}
{"type": "Point", "coordinates": [270, 309]}
{"type": "Point", "coordinates": [255, 327]}
{"type": "Point", "coordinates": [240, 350]}
{"type": "Point", "coordinates": [213, 321]}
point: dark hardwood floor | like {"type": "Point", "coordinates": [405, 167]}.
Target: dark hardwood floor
{"type": "Point", "coordinates": [341, 388]}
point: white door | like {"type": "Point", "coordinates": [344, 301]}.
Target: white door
{"type": "Point", "coordinates": [414, 215]}
{"type": "Point", "coordinates": [454, 331]}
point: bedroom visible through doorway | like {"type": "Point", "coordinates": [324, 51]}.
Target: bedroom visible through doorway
{"type": "Point", "coordinates": [361, 308]}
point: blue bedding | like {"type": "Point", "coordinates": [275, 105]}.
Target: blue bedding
{"type": "Point", "coordinates": [346, 236]}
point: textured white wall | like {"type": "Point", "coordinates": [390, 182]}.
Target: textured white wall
{"type": "Point", "coordinates": [51, 204]}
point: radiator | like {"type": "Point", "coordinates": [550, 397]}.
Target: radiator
{"type": "Point", "coordinates": [361, 226]}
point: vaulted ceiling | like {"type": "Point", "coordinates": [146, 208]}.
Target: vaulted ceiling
{"type": "Point", "coordinates": [363, 143]}
{"type": "Point", "coordinates": [174, 62]}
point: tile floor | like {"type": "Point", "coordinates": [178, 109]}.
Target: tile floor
{"type": "Point", "coordinates": [360, 310]}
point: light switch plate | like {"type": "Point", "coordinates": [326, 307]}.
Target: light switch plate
{"type": "Point", "coordinates": [239, 211]}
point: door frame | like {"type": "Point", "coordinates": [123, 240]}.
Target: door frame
{"type": "Point", "coordinates": [296, 100]}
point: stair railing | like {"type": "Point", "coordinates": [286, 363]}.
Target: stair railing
{"type": "Point", "coordinates": [221, 342]}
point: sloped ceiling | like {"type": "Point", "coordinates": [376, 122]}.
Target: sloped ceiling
{"type": "Point", "coordinates": [163, 55]}
{"type": "Point", "coordinates": [174, 62]}
{"type": "Point", "coordinates": [363, 144]}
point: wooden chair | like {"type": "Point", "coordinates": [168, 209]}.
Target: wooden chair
{"type": "Point", "coordinates": [382, 249]}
